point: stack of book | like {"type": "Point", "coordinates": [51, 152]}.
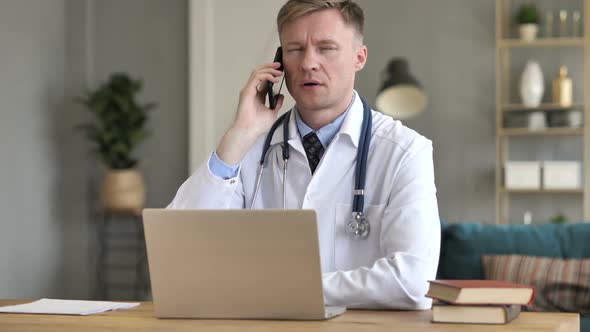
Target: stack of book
{"type": "Point", "coordinates": [478, 301]}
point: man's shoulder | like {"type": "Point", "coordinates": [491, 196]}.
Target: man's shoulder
{"type": "Point", "coordinates": [390, 131]}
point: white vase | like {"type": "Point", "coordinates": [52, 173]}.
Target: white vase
{"type": "Point", "coordinates": [528, 32]}
{"type": "Point", "coordinates": [537, 121]}
{"type": "Point", "coordinates": [532, 84]}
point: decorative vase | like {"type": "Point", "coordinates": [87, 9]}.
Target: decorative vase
{"type": "Point", "coordinates": [532, 84]}
{"type": "Point", "coordinates": [123, 191]}
{"type": "Point", "coordinates": [537, 120]}
{"type": "Point", "coordinates": [528, 31]}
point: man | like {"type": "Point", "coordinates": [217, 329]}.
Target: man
{"type": "Point", "coordinates": [323, 49]}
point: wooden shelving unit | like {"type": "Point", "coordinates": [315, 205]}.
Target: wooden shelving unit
{"type": "Point", "coordinates": [542, 42]}
{"type": "Point", "coordinates": [542, 191]}
{"type": "Point", "coordinates": [542, 107]}
{"type": "Point", "coordinates": [542, 132]}
{"type": "Point", "coordinates": [506, 42]}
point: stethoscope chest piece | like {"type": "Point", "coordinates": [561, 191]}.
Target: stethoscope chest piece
{"type": "Point", "coordinates": [358, 227]}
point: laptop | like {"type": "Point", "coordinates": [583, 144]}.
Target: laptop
{"type": "Point", "coordinates": [235, 264]}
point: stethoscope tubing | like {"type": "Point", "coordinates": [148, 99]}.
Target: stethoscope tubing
{"type": "Point", "coordinates": [361, 165]}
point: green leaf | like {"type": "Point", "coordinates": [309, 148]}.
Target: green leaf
{"type": "Point", "coordinates": [527, 14]}
{"type": "Point", "coordinates": [120, 120]}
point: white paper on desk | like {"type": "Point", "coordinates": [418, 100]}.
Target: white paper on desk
{"type": "Point", "coordinates": [66, 307]}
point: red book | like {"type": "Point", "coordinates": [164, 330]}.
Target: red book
{"type": "Point", "coordinates": [481, 292]}
{"type": "Point", "coordinates": [474, 314]}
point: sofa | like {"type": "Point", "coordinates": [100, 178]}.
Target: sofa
{"type": "Point", "coordinates": [464, 244]}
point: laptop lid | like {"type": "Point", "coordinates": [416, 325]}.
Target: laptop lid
{"type": "Point", "coordinates": [253, 264]}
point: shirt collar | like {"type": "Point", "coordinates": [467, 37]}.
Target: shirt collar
{"type": "Point", "coordinates": [349, 123]}
{"type": "Point", "coordinates": [327, 132]}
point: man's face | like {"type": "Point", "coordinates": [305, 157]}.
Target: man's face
{"type": "Point", "coordinates": [321, 55]}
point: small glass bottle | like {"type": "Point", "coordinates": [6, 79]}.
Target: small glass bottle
{"type": "Point", "coordinates": [576, 24]}
{"type": "Point", "coordinates": [563, 23]}
{"type": "Point", "coordinates": [548, 24]}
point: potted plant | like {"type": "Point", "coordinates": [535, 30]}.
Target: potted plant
{"type": "Point", "coordinates": [119, 127]}
{"type": "Point", "coordinates": [559, 219]}
{"type": "Point", "coordinates": [527, 19]}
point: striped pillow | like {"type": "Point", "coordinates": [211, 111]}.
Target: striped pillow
{"type": "Point", "coordinates": [562, 284]}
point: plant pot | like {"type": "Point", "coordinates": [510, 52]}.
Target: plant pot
{"type": "Point", "coordinates": [123, 191]}
{"type": "Point", "coordinates": [528, 31]}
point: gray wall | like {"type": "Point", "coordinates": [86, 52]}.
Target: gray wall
{"type": "Point", "coordinates": [450, 47]}
{"type": "Point", "coordinates": [52, 51]}
{"type": "Point", "coordinates": [32, 90]}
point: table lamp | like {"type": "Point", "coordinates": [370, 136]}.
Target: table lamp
{"type": "Point", "coordinates": [401, 95]}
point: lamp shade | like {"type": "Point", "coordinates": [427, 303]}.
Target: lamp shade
{"type": "Point", "coordinates": [401, 95]}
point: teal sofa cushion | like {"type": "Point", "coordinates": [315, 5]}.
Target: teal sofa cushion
{"type": "Point", "coordinates": [463, 245]}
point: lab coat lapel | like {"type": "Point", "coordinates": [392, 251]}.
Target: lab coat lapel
{"type": "Point", "coordinates": [336, 170]}
{"type": "Point", "coordinates": [294, 138]}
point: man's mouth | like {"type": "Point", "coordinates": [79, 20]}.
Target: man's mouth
{"type": "Point", "coordinates": [311, 83]}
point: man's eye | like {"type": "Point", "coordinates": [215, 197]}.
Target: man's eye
{"type": "Point", "coordinates": [330, 48]}
{"type": "Point", "coordinates": [294, 50]}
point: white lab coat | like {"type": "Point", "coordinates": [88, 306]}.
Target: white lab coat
{"type": "Point", "coordinates": [390, 269]}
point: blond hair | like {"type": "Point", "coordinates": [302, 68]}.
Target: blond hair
{"type": "Point", "coordinates": [351, 12]}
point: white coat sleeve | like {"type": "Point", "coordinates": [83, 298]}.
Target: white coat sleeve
{"type": "Point", "coordinates": [204, 190]}
{"type": "Point", "coordinates": [409, 241]}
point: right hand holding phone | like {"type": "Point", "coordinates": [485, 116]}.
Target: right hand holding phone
{"type": "Point", "coordinates": [252, 114]}
{"type": "Point", "coordinates": [253, 117]}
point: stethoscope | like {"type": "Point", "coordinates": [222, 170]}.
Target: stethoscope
{"type": "Point", "coordinates": [358, 227]}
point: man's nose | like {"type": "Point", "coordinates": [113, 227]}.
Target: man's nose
{"type": "Point", "coordinates": [310, 60]}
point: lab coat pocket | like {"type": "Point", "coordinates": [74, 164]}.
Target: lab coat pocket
{"type": "Point", "coordinates": [353, 253]}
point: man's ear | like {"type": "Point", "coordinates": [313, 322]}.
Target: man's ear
{"type": "Point", "coordinates": [360, 57]}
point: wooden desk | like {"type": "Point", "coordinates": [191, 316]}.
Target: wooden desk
{"type": "Point", "coordinates": [142, 319]}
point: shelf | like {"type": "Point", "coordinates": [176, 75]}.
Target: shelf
{"type": "Point", "coordinates": [542, 42]}
{"type": "Point", "coordinates": [542, 107]}
{"type": "Point", "coordinates": [542, 191]}
{"type": "Point", "coordinates": [541, 132]}
{"type": "Point", "coordinates": [512, 118]}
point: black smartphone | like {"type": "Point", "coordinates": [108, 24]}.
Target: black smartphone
{"type": "Point", "coordinates": [272, 98]}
